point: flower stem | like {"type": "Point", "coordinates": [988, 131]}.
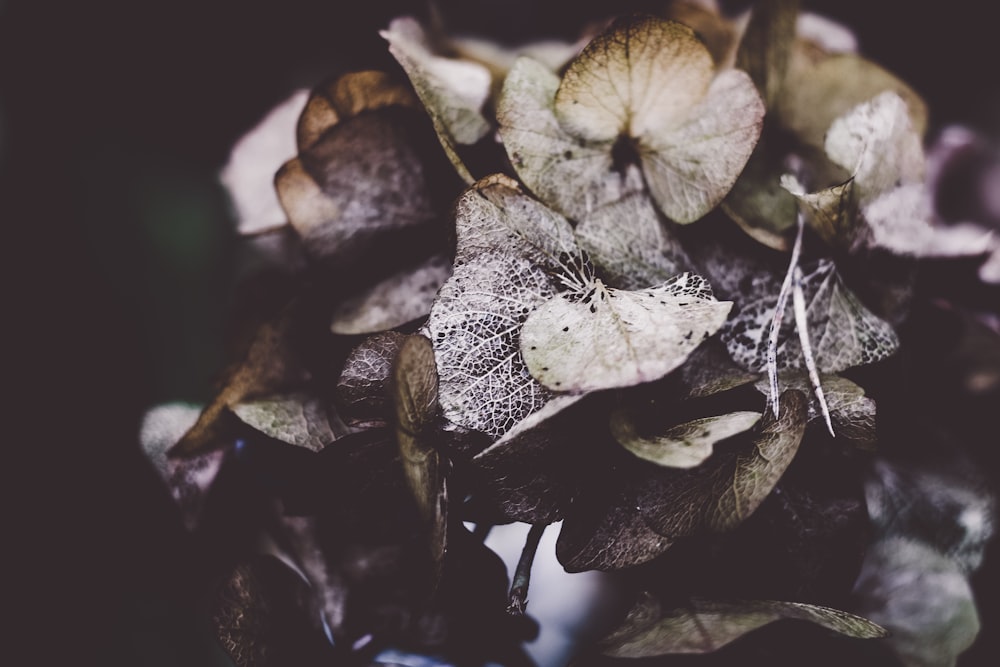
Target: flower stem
{"type": "Point", "coordinates": [518, 600]}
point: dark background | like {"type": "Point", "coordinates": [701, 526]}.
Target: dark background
{"type": "Point", "coordinates": [115, 117]}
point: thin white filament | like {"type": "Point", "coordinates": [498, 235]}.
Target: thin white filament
{"type": "Point", "coordinates": [779, 313]}
{"type": "Point", "coordinates": [802, 326]}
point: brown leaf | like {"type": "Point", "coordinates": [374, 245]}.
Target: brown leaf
{"type": "Point", "coordinates": [525, 475]}
{"type": "Point", "coordinates": [718, 32]}
{"type": "Point", "coordinates": [731, 485]}
{"type": "Point", "coordinates": [831, 212]}
{"type": "Point", "coordinates": [363, 180]}
{"type": "Point", "coordinates": [852, 413]}
{"type": "Point", "coordinates": [262, 614]}
{"type": "Point", "coordinates": [817, 93]}
{"type": "Point", "coordinates": [607, 532]}
{"type": "Point", "coordinates": [362, 389]}
{"type": "Point", "coordinates": [710, 370]}
{"type": "Point", "coordinates": [758, 203]}
{"type": "Point", "coordinates": [642, 74]}
{"type": "Point", "coordinates": [270, 365]}
{"type": "Point", "coordinates": [347, 96]}
{"type": "Point", "coordinates": [766, 45]}
{"type": "Point", "coordinates": [415, 395]}
{"type": "Point", "coordinates": [415, 385]}
{"type": "Point", "coordinates": [240, 616]}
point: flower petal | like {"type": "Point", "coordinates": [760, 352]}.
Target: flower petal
{"type": "Point", "coordinates": [568, 174]}
{"type": "Point", "coordinates": [641, 76]}
{"type": "Point", "coordinates": [692, 167]}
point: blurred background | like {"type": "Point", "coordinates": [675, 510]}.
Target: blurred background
{"type": "Point", "coordinates": [115, 118]}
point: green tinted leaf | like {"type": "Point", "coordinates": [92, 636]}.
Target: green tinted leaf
{"type": "Point", "coordinates": [704, 626]}
{"type": "Point", "coordinates": [709, 370]}
{"type": "Point", "coordinates": [297, 419]}
{"type": "Point", "coordinates": [646, 611]}
{"type": "Point", "coordinates": [614, 338]}
{"type": "Point", "coordinates": [684, 445]}
{"type": "Point", "coordinates": [727, 488]}
{"type": "Point", "coordinates": [756, 470]}
{"type": "Point", "coordinates": [415, 392]}
{"type": "Point", "coordinates": [758, 203]}
{"type": "Point", "coordinates": [815, 94]}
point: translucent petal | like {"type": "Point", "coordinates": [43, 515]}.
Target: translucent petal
{"type": "Point", "coordinates": [607, 338]}
{"type": "Point", "coordinates": [570, 175]}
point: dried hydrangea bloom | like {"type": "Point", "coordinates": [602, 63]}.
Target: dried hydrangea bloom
{"type": "Point", "coordinates": [641, 107]}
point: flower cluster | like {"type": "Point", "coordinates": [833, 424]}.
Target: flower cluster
{"type": "Point", "coordinates": [639, 285]}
